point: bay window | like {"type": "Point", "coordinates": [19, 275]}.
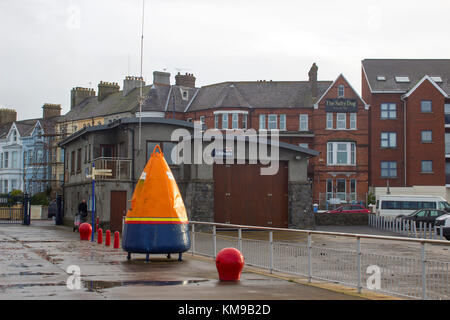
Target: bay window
{"type": "Point", "coordinates": [341, 153]}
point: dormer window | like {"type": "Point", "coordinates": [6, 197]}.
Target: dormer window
{"type": "Point", "coordinates": [184, 94]}
{"type": "Point", "coordinates": [14, 135]}
{"type": "Point", "coordinates": [341, 91]}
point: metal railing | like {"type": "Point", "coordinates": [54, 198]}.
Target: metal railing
{"type": "Point", "coordinates": [353, 263]}
{"type": "Point", "coordinates": [120, 168]}
{"type": "Point", "coordinates": [409, 228]}
{"type": "Point", "coordinates": [10, 215]}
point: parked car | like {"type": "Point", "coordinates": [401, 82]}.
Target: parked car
{"type": "Point", "coordinates": [443, 222]}
{"type": "Point", "coordinates": [52, 209]}
{"type": "Point", "coordinates": [424, 215]}
{"type": "Point", "coordinates": [350, 208]}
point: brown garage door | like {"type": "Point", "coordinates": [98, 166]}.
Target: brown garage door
{"type": "Point", "coordinates": [243, 196]}
{"type": "Point", "coordinates": [118, 209]}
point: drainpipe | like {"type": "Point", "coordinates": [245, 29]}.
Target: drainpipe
{"type": "Point", "coordinates": [404, 139]}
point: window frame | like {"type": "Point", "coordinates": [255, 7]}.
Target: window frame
{"type": "Point", "coordinates": [341, 91]}
{"type": "Point", "coordinates": [262, 122]}
{"type": "Point", "coordinates": [422, 137]}
{"type": "Point", "coordinates": [388, 140]}
{"type": "Point", "coordinates": [389, 169]}
{"type": "Point", "coordinates": [333, 153]}
{"type": "Point", "coordinates": [303, 121]}
{"type": "Point", "coordinates": [389, 110]}
{"type": "Point", "coordinates": [353, 121]}
{"type": "Point", "coordinates": [422, 106]}
{"type": "Point", "coordinates": [282, 122]}
{"type": "Point", "coordinates": [422, 166]}
{"type": "Point", "coordinates": [225, 121]}
{"type": "Point", "coordinates": [216, 121]}
{"type": "Point", "coordinates": [340, 121]}
{"type": "Point", "coordinates": [330, 120]}
{"type": "Point", "coordinates": [271, 122]}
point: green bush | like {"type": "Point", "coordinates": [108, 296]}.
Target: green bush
{"type": "Point", "coordinates": [14, 197]}
{"type": "Point", "coordinates": [40, 199]}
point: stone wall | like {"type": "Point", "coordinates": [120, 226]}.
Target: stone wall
{"type": "Point", "coordinates": [199, 200]}
{"type": "Point", "coordinates": [341, 219]}
{"type": "Point", "coordinates": [300, 206]}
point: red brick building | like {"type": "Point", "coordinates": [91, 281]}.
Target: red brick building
{"type": "Point", "coordinates": [409, 116]}
{"type": "Point", "coordinates": [329, 117]}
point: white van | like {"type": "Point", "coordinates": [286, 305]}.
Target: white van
{"type": "Point", "coordinates": [395, 205]}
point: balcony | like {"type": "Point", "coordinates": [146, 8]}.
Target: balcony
{"type": "Point", "coordinates": [120, 167]}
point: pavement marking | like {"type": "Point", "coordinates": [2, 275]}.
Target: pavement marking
{"type": "Point", "coordinates": [321, 285]}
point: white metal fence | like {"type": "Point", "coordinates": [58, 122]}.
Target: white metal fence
{"type": "Point", "coordinates": [353, 265]}
{"type": "Point", "coordinates": [407, 228]}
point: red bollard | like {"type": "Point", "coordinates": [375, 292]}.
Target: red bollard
{"type": "Point", "coordinates": [116, 240]}
{"type": "Point", "coordinates": [229, 263]}
{"type": "Point", "coordinates": [100, 236]}
{"type": "Point", "coordinates": [85, 232]}
{"type": "Point", "coordinates": [108, 238]}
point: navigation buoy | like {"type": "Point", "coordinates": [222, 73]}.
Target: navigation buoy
{"type": "Point", "coordinates": [157, 222]}
{"type": "Point", "coordinates": [229, 263]}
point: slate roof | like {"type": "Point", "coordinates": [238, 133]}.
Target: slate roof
{"type": "Point", "coordinates": [415, 69]}
{"type": "Point", "coordinates": [258, 94]}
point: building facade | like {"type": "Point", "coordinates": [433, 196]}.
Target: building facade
{"type": "Point", "coordinates": [408, 125]}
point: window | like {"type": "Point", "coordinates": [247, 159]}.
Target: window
{"type": "Point", "coordinates": [341, 153]}
{"type": "Point", "coordinates": [329, 189]}
{"type": "Point", "coordinates": [6, 160]}
{"type": "Point", "coordinates": [388, 139]}
{"type": "Point", "coordinates": [262, 121]}
{"type": "Point", "coordinates": [427, 136]}
{"type": "Point", "coordinates": [389, 169]}
{"type": "Point", "coordinates": [341, 121]}
{"type": "Point", "coordinates": [244, 121]}
{"type": "Point", "coordinates": [330, 124]}
{"type": "Point", "coordinates": [1, 160]}
{"type": "Point", "coordinates": [353, 189]}
{"type": "Point", "coordinates": [78, 160]}
{"type": "Point", "coordinates": [39, 156]}
{"type": "Point", "coordinates": [272, 123]}
{"type": "Point", "coordinates": [216, 121]}
{"type": "Point", "coordinates": [388, 111]}
{"type": "Point", "coordinates": [72, 163]}
{"type": "Point", "coordinates": [235, 121]}
{"type": "Point", "coordinates": [304, 122]}
{"type": "Point", "coordinates": [353, 121]}
{"type": "Point", "coordinates": [426, 106]}
{"type": "Point", "coordinates": [282, 122]}
{"type": "Point", "coordinates": [427, 166]}
{"type": "Point", "coordinates": [14, 163]}
{"type": "Point", "coordinates": [202, 120]}
{"type": "Point", "coordinates": [225, 121]}
{"type": "Point", "coordinates": [304, 145]}
{"type": "Point", "coordinates": [14, 135]}
{"type": "Point", "coordinates": [85, 154]}
{"type": "Point", "coordinates": [5, 186]}
{"type": "Point", "coordinates": [13, 184]}
{"type": "Point", "coordinates": [341, 91]}
{"type": "Point", "coordinates": [341, 189]}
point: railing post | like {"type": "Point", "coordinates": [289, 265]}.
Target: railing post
{"type": "Point", "coordinates": [240, 239]}
{"type": "Point", "coordinates": [424, 272]}
{"type": "Point", "coordinates": [214, 242]}
{"type": "Point", "coordinates": [193, 239]}
{"type": "Point", "coordinates": [358, 250]}
{"type": "Point", "coordinates": [309, 258]}
{"type": "Point", "coordinates": [441, 232]}
{"type": "Point", "coordinates": [271, 251]}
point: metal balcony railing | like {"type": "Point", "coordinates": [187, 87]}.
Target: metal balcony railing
{"type": "Point", "coordinates": [120, 168]}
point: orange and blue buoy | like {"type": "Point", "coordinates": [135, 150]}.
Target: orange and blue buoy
{"type": "Point", "coordinates": [157, 222]}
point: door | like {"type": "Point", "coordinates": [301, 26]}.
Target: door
{"type": "Point", "coordinates": [118, 209]}
{"type": "Point", "coordinates": [243, 196]}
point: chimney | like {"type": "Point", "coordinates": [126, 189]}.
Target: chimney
{"type": "Point", "coordinates": [7, 116]}
{"type": "Point", "coordinates": [51, 110]}
{"type": "Point", "coordinates": [313, 80]}
{"type": "Point", "coordinates": [161, 78]}
{"type": "Point", "coordinates": [78, 95]}
{"type": "Point", "coordinates": [131, 83]}
{"type": "Point", "coordinates": [187, 80]}
{"type": "Point", "coordinates": [107, 88]}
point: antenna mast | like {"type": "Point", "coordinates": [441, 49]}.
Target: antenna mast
{"type": "Point", "coordinates": [142, 83]}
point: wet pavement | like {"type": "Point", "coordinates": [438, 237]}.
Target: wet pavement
{"type": "Point", "coordinates": [34, 264]}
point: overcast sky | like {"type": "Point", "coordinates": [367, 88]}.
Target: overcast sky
{"type": "Point", "coordinates": [50, 46]}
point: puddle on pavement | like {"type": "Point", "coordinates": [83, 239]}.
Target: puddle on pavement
{"type": "Point", "coordinates": [26, 274]}
{"type": "Point", "coordinates": [98, 286]}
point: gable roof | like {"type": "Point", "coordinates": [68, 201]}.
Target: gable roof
{"type": "Point", "coordinates": [257, 94]}
{"type": "Point", "coordinates": [415, 69]}
{"type": "Point", "coordinates": [425, 78]}
{"type": "Point", "coordinates": [316, 105]}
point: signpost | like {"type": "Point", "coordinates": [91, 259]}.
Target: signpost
{"type": "Point", "coordinates": [95, 172]}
